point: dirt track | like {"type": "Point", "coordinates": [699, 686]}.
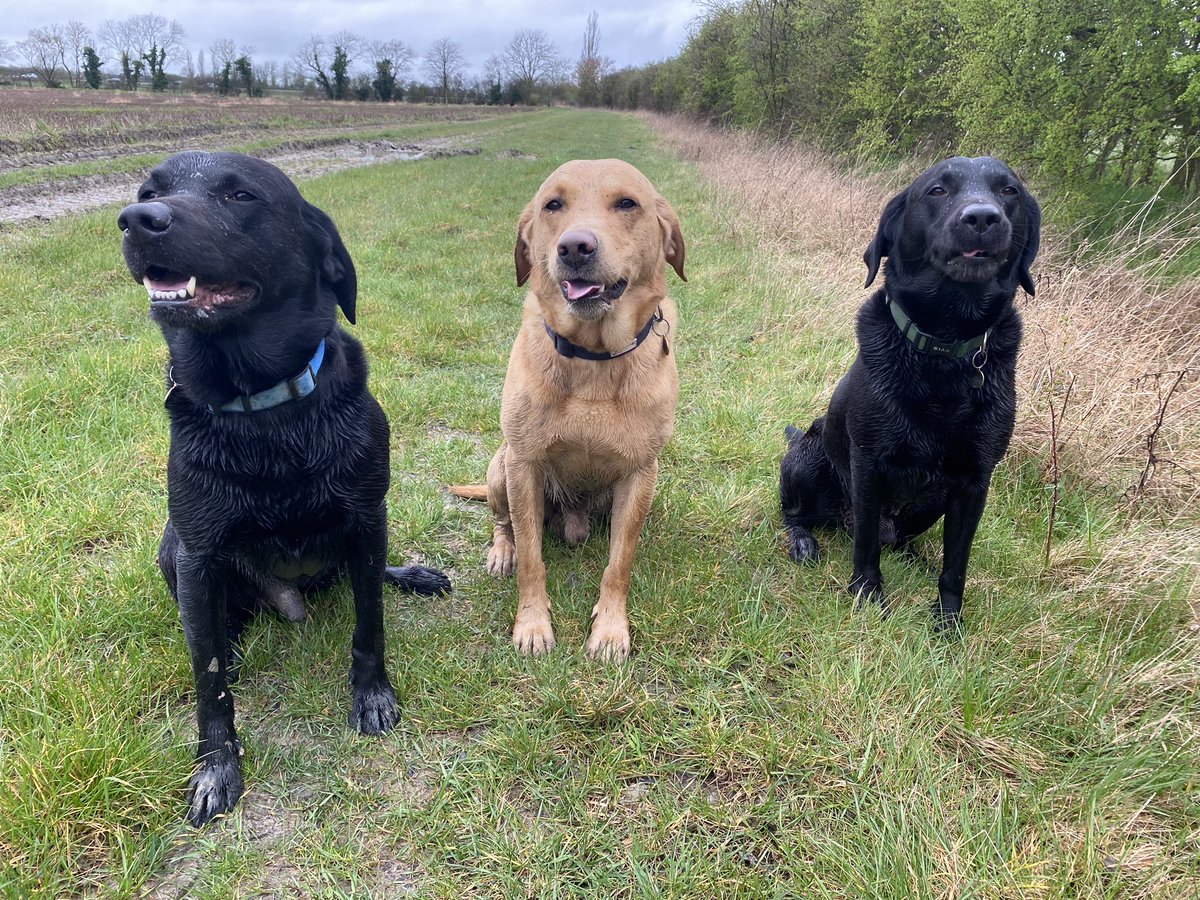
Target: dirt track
{"type": "Point", "coordinates": [42, 202]}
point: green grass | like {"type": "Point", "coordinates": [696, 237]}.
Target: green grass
{"type": "Point", "coordinates": [763, 741]}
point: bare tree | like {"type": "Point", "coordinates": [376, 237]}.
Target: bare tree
{"type": "Point", "coordinates": [591, 66]}
{"type": "Point", "coordinates": [398, 53]}
{"type": "Point", "coordinates": [76, 36]}
{"type": "Point", "coordinates": [444, 65]}
{"type": "Point", "coordinates": [529, 59]}
{"type": "Point", "coordinates": [222, 52]}
{"type": "Point", "coordinates": [45, 49]}
{"type": "Point", "coordinates": [328, 61]}
{"type": "Point", "coordinates": [5, 49]}
{"type": "Point", "coordinates": [132, 39]}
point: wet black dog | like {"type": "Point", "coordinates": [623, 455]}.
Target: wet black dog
{"type": "Point", "coordinates": [279, 454]}
{"type": "Point", "coordinates": [926, 411]}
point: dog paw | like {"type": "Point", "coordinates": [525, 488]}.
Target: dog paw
{"type": "Point", "coordinates": [418, 579]}
{"type": "Point", "coordinates": [609, 641]}
{"type": "Point", "coordinates": [502, 559]}
{"type": "Point", "coordinates": [216, 786]}
{"type": "Point", "coordinates": [533, 636]}
{"type": "Point", "coordinates": [802, 546]}
{"type": "Point", "coordinates": [947, 619]}
{"type": "Point", "coordinates": [375, 710]}
{"type": "Point", "coordinates": [867, 590]}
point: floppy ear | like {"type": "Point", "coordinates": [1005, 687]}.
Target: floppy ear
{"type": "Point", "coordinates": [887, 236]}
{"type": "Point", "coordinates": [337, 269]}
{"type": "Point", "coordinates": [522, 253]}
{"type": "Point", "coordinates": [1032, 228]}
{"type": "Point", "coordinates": [673, 248]}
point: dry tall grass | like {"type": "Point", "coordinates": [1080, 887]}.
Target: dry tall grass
{"type": "Point", "coordinates": [1106, 336]}
{"type": "Point", "coordinates": [1109, 378]}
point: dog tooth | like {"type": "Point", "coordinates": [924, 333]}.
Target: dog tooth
{"type": "Point", "coordinates": [191, 286]}
{"type": "Point", "coordinates": [146, 282]}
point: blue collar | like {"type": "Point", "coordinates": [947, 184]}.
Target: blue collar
{"type": "Point", "coordinates": [569, 350]}
{"type": "Point", "coordinates": [294, 388]}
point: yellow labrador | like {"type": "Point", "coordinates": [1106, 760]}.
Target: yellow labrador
{"type": "Point", "coordinates": [589, 399]}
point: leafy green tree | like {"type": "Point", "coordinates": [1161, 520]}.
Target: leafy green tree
{"type": "Point", "coordinates": [91, 67]}
{"type": "Point", "coordinates": [340, 69]}
{"type": "Point", "coordinates": [131, 71]}
{"type": "Point", "coordinates": [156, 57]}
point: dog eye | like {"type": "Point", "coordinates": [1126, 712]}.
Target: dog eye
{"type": "Point", "coordinates": [936, 191]}
{"type": "Point", "coordinates": [143, 196]}
{"type": "Point", "coordinates": [626, 203]}
{"type": "Point", "coordinates": [1008, 191]}
{"type": "Point", "coordinates": [554, 205]}
{"type": "Point", "coordinates": [243, 196]}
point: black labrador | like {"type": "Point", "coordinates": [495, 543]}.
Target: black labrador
{"type": "Point", "coordinates": [278, 463]}
{"type": "Point", "coordinates": [925, 413]}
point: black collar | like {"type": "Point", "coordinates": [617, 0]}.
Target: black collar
{"type": "Point", "coordinates": [567, 349]}
{"type": "Point", "coordinates": [927, 343]}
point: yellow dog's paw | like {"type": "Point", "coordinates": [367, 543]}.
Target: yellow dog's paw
{"type": "Point", "coordinates": [502, 559]}
{"type": "Point", "coordinates": [609, 641]}
{"type": "Point", "coordinates": [533, 635]}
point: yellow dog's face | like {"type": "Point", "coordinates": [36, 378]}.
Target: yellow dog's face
{"type": "Point", "coordinates": [596, 229]}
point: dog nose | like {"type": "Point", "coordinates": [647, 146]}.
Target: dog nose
{"type": "Point", "coordinates": [148, 218]}
{"type": "Point", "coordinates": [576, 246]}
{"type": "Point", "coordinates": [980, 216]}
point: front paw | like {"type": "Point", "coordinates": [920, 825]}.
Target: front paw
{"type": "Point", "coordinates": [502, 558]}
{"type": "Point", "coordinates": [609, 640]}
{"type": "Point", "coordinates": [866, 590]}
{"type": "Point", "coordinates": [374, 709]}
{"type": "Point", "coordinates": [217, 785]}
{"type": "Point", "coordinates": [532, 634]}
{"type": "Point", "coordinates": [418, 579]}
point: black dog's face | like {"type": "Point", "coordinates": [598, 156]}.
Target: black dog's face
{"type": "Point", "coordinates": [216, 235]}
{"type": "Point", "coordinates": [970, 219]}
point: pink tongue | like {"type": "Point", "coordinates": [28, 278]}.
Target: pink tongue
{"type": "Point", "coordinates": [579, 290]}
{"type": "Point", "coordinates": [972, 253]}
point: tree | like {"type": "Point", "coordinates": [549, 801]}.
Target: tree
{"type": "Point", "coordinates": [91, 67]}
{"type": "Point", "coordinates": [76, 37]}
{"type": "Point", "coordinates": [390, 61]}
{"type": "Point", "coordinates": [155, 58]}
{"type": "Point", "coordinates": [245, 73]}
{"type": "Point", "coordinates": [444, 64]}
{"type": "Point", "coordinates": [592, 67]}
{"type": "Point", "coordinates": [45, 50]}
{"type": "Point", "coordinates": [222, 52]}
{"type": "Point", "coordinates": [529, 59]}
{"type": "Point", "coordinates": [130, 41]}
{"type": "Point", "coordinates": [328, 62]}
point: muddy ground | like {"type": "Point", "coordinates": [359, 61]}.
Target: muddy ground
{"type": "Point", "coordinates": [29, 204]}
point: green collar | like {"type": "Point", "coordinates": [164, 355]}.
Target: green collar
{"type": "Point", "coordinates": [927, 343]}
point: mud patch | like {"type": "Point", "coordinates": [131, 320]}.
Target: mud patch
{"type": "Point", "coordinates": [44, 202]}
{"type": "Point", "coordinates": [511, 153]}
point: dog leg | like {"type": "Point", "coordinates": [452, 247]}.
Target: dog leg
{"type": "Point", "coordinates": [809, 491]}
{"type": "Point", "coordinates": [502, 555]}
{"type": "Point", "coordinates": [418, 579]}
{"type": "Point", "coordinates": [374, 709]}
{"type": "Point", "coordinates": [964, 509]}
{"type": "Point", "coordinates": [532, 632]}
{"type": "Point", "coordinates": [201, 592]}
{"type": "Point", "coordinates": [632, 496]}
{"type": "Point", "coordinates": [866, 585]}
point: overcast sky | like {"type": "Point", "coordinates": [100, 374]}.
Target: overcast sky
{"type": "Point", "coordinates": [632, 32]}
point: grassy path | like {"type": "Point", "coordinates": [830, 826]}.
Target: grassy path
{"type": "Point", "coordinates": [762, 742]}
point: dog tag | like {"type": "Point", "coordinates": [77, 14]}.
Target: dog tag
{"type": "Point", "coordinates": [977, 378]}
{"type": "Point", "coordinates": [666, 348]}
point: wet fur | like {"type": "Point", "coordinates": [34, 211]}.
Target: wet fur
{"type": "Point", "coordinates": [269, 506]}
{"type": "Point", "coordinates": [907, 438]}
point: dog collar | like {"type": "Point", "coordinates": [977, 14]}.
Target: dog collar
{"type": "Point", "coordinates": [927, 343]}
{"type": "Point", "coordinates": [295, 388]}
{"type": "Point", "coordinates": [567, 349]}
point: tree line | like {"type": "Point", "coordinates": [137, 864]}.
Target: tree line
{"type": "Point", "coordinates": [150, 51]}
{"type": "Point", "coordinates": [1080, 90]}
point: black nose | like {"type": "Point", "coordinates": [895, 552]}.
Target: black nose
{"type": "Point", "coordinates": [152, 217]}
{"type": "Point", "coordinates": [980, 216]}
{"type": "Point", "coordinates": [576, 246]}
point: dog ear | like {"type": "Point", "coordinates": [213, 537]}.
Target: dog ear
{"type": "Point", "coordinates": [673, 248]}
{"type": "Point", "coordinates": [522, 253]}
{"type": "Point", "coordinates": [887, 236]}
{"type": "Point", "coordinates": [1032, 238]}
{"type": "Point", "coordinates": [337, 269]}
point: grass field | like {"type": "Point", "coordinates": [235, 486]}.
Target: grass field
{"type": "Point", "coordinates": [763, 741]}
